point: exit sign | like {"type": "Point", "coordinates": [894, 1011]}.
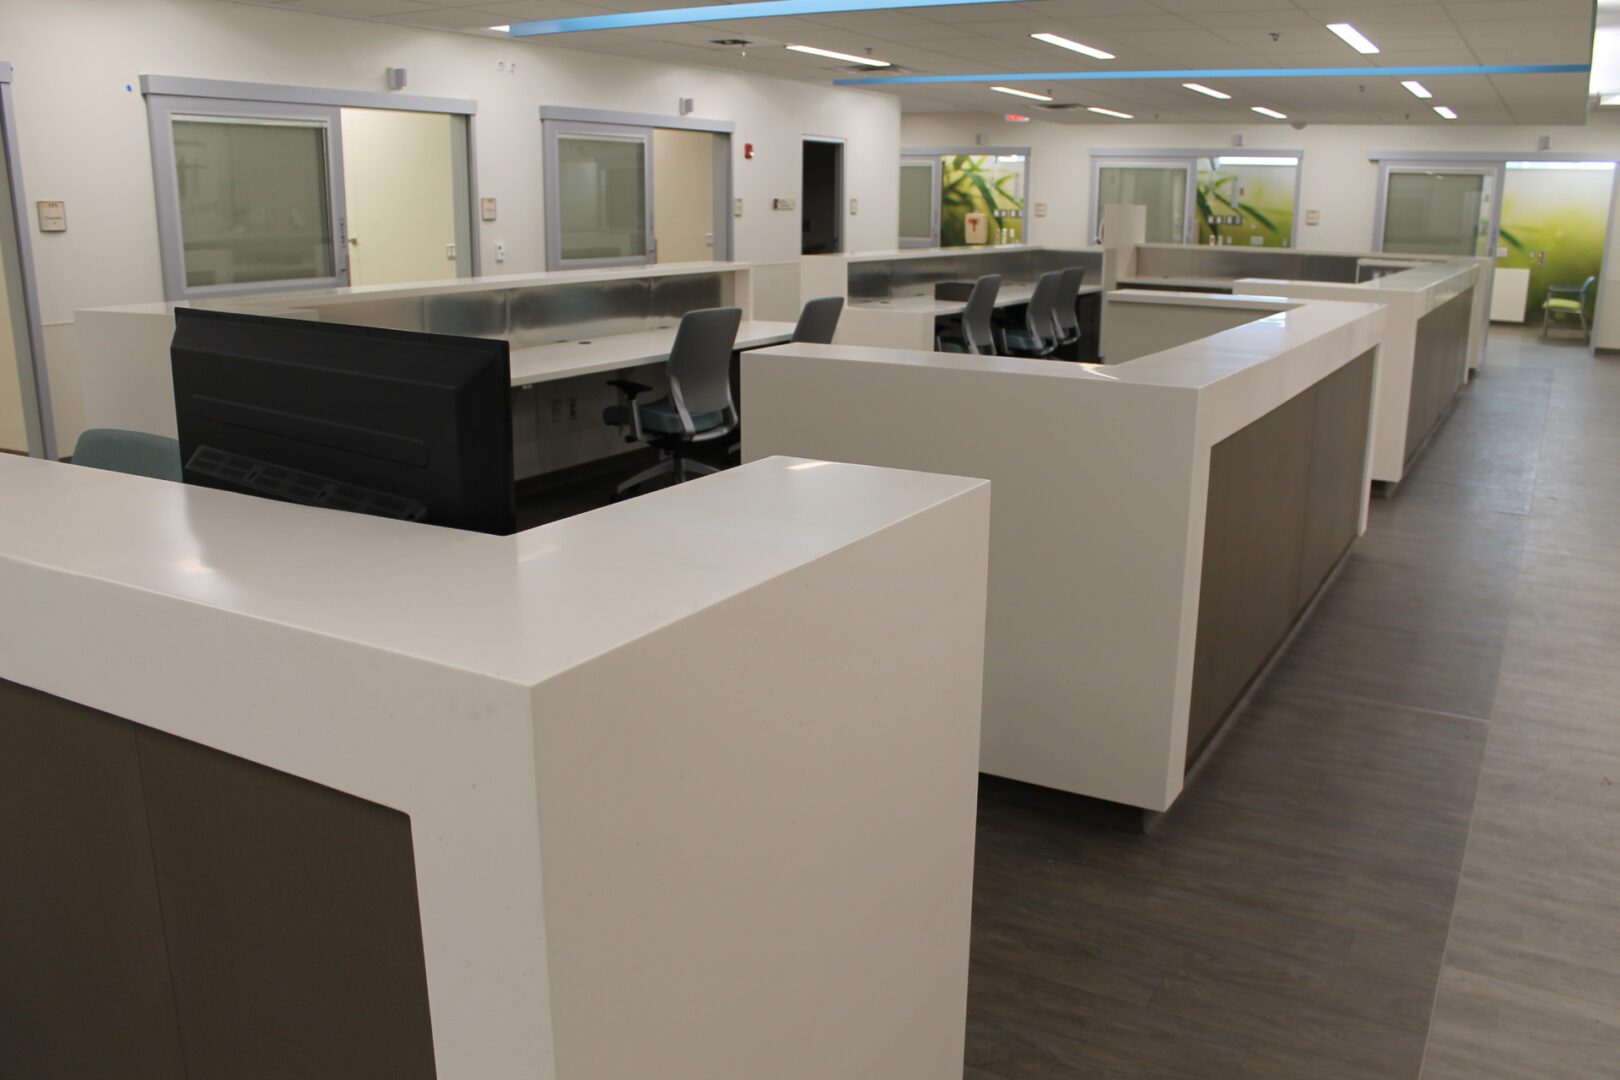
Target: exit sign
{"type": "Point", "coordinates": [1014, 118]}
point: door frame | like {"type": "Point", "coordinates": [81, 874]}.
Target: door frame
{"type": "Point", "coordinates": [935, 167]}
{"type": "Point", "coordinates": [1497, 170]}
{"type": "Point", "coordinates": [167, 95]}
{"type": "Point", "coordinates": [1189, 209]}
{"type": "Point", "coordinates": [32, 373]}
{"type": "Point", "coordinates": [555, 131]}
{"type": "Point", "coordinates": [840, 230]}
{"type": "Point", "coordinates": [724, 215]}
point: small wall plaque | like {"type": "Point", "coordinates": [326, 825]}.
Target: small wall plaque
{"type": "Point", "coordinates": [486, 209]}
{"type": "Point", "coordinates": [52, 216]}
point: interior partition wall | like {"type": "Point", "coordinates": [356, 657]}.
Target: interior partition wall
{"type": "Point", "coordinates": [26, 424]}
{"type": "Point", "coordinates": [254, 193]}
{"type": "Point", "coordinates": [603, 189]}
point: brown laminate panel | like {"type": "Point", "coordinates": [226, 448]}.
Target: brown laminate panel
{"type": "Point", "coordinates": [1254, 533]}
{"type": "Point", "coordinates": [84, 981]}
{"type": "Point", "coordinates": [1337, 474]}
{"type": "Point", "coordinates": [1439, 367]}
{"type": "Point", "coordinates": [292, 922]}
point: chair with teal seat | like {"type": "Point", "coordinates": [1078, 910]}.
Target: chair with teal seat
{"type": "Point", "coordinates": [699, 407]}
{"type": "Point", "coordinates": [133, 452]}
{"type": "Point", "coordinates": [1566, 300]}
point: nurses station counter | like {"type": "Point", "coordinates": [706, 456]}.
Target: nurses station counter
{"type": "Point", "coordinates": [1158, 528]}
{"type": "Point", "coordinates": [1439, 316]}
{"type": "Point", "coordinates": [891, 294]}
{"type": "Point", "coordinates": [681, 787]}
{"type": "Point", "coordinates": [570, 331]}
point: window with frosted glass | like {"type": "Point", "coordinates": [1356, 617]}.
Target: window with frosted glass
{"type": "Point", "coordinates": [254, 201]}
{"type": "Point", "coordinates": [1433, 213]}
{"type": "Point", "coordinates": [602, 196]}
{"type": "Point", "coordinates": [1162, 190]}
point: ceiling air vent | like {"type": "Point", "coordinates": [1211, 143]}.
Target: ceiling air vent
{"type": "Point", "coordinates": [731, 42]}
{"type": "Point", "coordinates": [1060, 106]}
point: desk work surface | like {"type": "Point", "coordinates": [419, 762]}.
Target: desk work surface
{"type": "Point", "coordinates": [615, 352]}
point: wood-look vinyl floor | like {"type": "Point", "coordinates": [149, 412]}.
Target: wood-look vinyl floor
{"type": "Point", "coordinates": [1404, 857]}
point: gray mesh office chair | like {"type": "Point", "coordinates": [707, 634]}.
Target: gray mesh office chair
{"type": "Point", "coordinates": [1038, 336]}
{"type": "Point", "coordinates": [1066, 317]}
{"type": "Point", "coordinates": [978, 328]}
{"type": "Point", "coordinates": [818, 322]}
{"type": "Point", "coordinates": [699, 407]}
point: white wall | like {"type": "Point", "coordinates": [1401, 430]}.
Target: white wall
{"type": "Point", "coordinates": [1337, 177]}
{"type": "Point", "coordinates": [82, 128]}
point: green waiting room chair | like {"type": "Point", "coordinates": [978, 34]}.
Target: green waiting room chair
{"type": "Point", "coordinates": [1564, 301]}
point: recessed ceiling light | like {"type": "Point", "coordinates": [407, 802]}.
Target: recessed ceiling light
{"type": "Point", "coordinates": [1200, 88]}
{"type": "Point", "coordinates": [1445, 111]}
{"type": "Point", "coordinates": [1073, 46]}
{"type": "Point", "coordinates": [1021, 93]}
{"type": "Point", "coordinates": [846, 57]}
{"type": "Point", "coordinates": [499, 29]}
{"type": "Point", "coordinates": [1109, 112]}
{"type": "Point", "coordinates": [1353, 37]}
{"type": "Point", "coordinates": [1263, 111]}
{"type": "Point", "coordinates": [1417, 89]}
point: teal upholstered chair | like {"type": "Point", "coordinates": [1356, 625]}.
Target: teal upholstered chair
{"type": "Point", "coordinates": [133, 452]}
{"type": "Point", "coordinates": [1564, 301]}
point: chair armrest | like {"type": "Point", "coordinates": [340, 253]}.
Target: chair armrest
{"type": "Point", "coordinates": [627, 388]}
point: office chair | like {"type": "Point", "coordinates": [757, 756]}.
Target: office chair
{"type": "Point", "coordinates": [1561, 305]}
{"type": "Point", "coordinates": [1039, 335]}
{"type": "Point", "coordinates": [133, 452]}
{"type": "Point", "coordinates": [699, 407]}
{"type": "Point", "coordinates": [818, 322]}
{"type": "Point", "coordinates": [1065, 314]}
{"type": "Point", "coordinates": [978, 332]}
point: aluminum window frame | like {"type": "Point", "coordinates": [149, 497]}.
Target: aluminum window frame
{"type": "Point", "coordinates": [1159, 155]}
{"type": "Point", "coordinates": [934, 165]}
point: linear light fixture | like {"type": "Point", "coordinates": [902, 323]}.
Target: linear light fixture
{"type": "Point", "coordinates": [1206, 75]}
{"type": "Point", "coordinates": [712, 13]}
{"type": "Point", "coordinates": [1109, 112]}
{"type": "Point", "coordinates": [1560, 166]}
{"type": "Point", "coordinates": [499, 29]}
{"type": "Point", "coordinates": [1417, 89]}
{"type": "Point", "coordinates": [1021, 93]}
{"type": "Point", "coordinates": [1279, 161]}
{"type": "Point", "coordinates": [1353, 38]}
{"type": "Point", "coordinates": [1445, 111]}
{"type": "Point", "coordinates": [1263, 111]}
{"type": "Point", "coordinates": [1073, 46]}
{"type": "Point", "coordinates": [846, 57]}
{"type": "Point", "coordinates": [1207, 91]}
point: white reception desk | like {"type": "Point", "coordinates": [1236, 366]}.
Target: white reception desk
{"type": "Point", "coordinates": [1158, 525]}
{"type": "Point", "coordinates": [691, 780]}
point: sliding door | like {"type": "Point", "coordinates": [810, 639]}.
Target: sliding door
{"type": "Point", "coordinates": [1163, 188]}
{"type": "Point", "coordinates": [249, 196]}
{"type": "Point", "coordinates": [919, 201]}
{"type": "Point", "coordinates": [404, 184]}
{"type": "Point", "coordinates": [25, 403]}
{"type": "Point", "coordinates": [1438, 210]}
{"type": "Point", "coordinates": [600, 212]}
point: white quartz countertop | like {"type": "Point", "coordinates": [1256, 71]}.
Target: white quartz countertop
{"type": "Point", "coordinates": [945, 252]}
{"type": "Point", "coordinates": [520, 608]}
{"type": "Point", "coordinates": [1228, 301]}
{"type": "Point", "coordinates": [1008, 296]}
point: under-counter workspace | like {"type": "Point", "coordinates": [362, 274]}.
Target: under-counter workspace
{"type": "Point", "coordinates": [1158, 525]}
{"type": "Point", "coordinates": [568, 331]}
{"type": "Point", "coordinates": [567, 803]}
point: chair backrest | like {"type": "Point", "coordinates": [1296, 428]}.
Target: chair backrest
{"type": "Point", "coordinates": [133, 452]}
{"type": "Point", "coordinates": [700, 363]}
{"type": "Point", "coordinates": [818, 322]}
{"type": "Point", "coordinates": [1586, 287]}
{"type": "Point", "coordinates": [1042, 308]}
{"type": "Point", "coordinates": [1068, 319]}
{"type": "Point", "coordinates": [976, 316]}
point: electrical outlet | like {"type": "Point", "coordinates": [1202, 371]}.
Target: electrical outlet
{"type": "Point", "coordinates": [573, 408]}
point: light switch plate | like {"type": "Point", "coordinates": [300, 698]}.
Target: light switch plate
{"type": "Point", "coordinates": [736, 207]}
{"type": "Point", "coordinates": [1040, 209]}
{"type": "Point", "coordinates": [486, 209]}
{"type": "Point", "coordinates": [1313, 217]}
{"type": "Point", "coordinates": [52, 216]}
{"type": "Point", "coordinates": [854, 207]}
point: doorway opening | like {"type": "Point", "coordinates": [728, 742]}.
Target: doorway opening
{"type": "Point", "coordinates": [821, 227]}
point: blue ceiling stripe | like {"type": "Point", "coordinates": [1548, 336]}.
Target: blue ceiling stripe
{"type": "Point", "coordinates": [1226, 73]}
{"type": "Point", "coordinates": [765, 9]}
